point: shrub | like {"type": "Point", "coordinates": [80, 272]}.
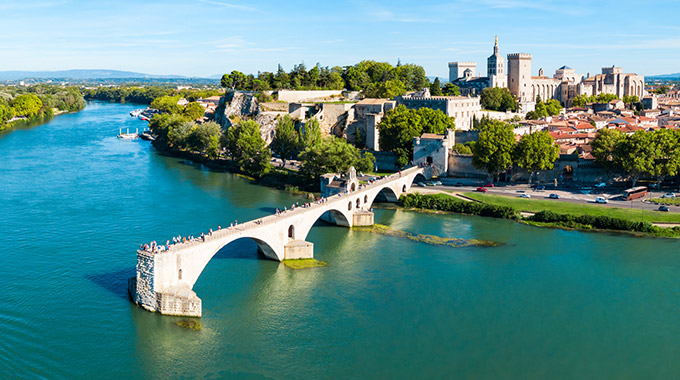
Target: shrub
{"type": "Point", "coordinates": [448, 203]}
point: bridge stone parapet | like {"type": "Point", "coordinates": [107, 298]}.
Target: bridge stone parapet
{"type": "Point", "coordinates": [165, 279]}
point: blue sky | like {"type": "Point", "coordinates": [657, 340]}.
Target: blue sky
{"type": "Point", "coordinates": [206, 37]}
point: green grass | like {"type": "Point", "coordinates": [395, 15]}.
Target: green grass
{"type": "Point", "coordinates": [189, 324]}
{"type": "Point", "coordinates": [304, 263]}
{"type": "Point", "coordinates": [427, 239]}
{"type": "Point", "coordinates": [666, 201]}
{"type": "Point", "coordinates": [536, 205]}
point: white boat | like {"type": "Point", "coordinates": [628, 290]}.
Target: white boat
{"type": "Point", "coordinates": [128, 135]}
{"type": "Point", "coordinates": [136, 112]}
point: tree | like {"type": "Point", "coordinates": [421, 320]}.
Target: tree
{"type": "Point", "coordinates": [286, 142]}
{"type": "Point", "coordinates": [536, 151]}
{"type": "Point", "coordinates": [636, 155]}
{"type": "Point", "coordinates": [246, 147]}
{"type": "Point", "coordinates": [6, 112]}
{"type": "Point", "coordinates": [553, 107]}
{"type": "Point", "coordinates": [193, 111]}
{"type": "Point", "coordinates": [451, 89]}
{"type": "Point", "coordinates": [494, 147]}
{"type": "Point", "coordinates": [167, 104]}
{"type": "Point", "coordinates": [436, 87]}
{"type": "Point", "coordinates": [388, 89]}
{"type": "Point", "coordinates": [162, 124]}
{"type": "Point", "coordinates": [400, 125]}
{"type": "Point", "coordinates": [281, 79]}
{"type": "Point", "coordinates": [236, 80]}
{"type": "Point", "coordinates": [630, 100]}
{"type": "Point", "coordinates": [311, 134]}
{"type": "Point", "coordinates": [333, 155]}
{"type": "Point", "coordinates": [178, 135]}
{"type": "Point", "coordinates": [203, 137]}
{"type": "Point", "coordinates": [27, 105]}
{"type": "Point", "coordinates": [604, 146]}
{"type": "Point", "coordinates": [498, 99]}
{"type": "Point", "coordinates": [665, 153]}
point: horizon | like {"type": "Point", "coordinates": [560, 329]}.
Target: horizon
{"type": "Point", "coordinates": [204, 38]}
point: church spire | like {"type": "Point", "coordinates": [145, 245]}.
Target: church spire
{"type": "Point", "coordinates": [495, 46]}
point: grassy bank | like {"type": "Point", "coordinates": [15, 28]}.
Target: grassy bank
{"type": "Point", "coordinates": [666, 201]}
{"type": "Point", "coordinates": [304, 263]}
{"type": "Point", "coordinates": [537, 205]}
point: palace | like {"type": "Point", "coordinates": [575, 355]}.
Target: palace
{"type": "Point", "coordinates": [564, 85]}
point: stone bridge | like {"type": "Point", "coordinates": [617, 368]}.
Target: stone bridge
{"type": "Point", "coordinates": [165, 279]}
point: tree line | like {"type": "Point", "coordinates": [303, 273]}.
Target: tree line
{"type": "Point", "coordinates": [374, 79]}
{"type": "Point", "coordinates": [653, 153]}
{"type": "Point", "coordinates": [37, 101]}
{"type": "Point", "coordinates": [145, 95]}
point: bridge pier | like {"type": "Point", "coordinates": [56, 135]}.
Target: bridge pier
{"type": "Point", "coordinates": [298, 249]}
{"type": "Point", "coordinates": [362, 218]}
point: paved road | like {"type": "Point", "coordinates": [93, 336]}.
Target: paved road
{"type": "Point", "coordinates": [565, 196]}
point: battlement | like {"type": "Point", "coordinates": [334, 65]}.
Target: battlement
{"type": "Point", "coordinates": [454, 64]}
{"type": "Point", "coordinates": [519, 56]}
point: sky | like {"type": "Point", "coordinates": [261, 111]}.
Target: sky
{"type": "Point", "coordinates": [208, 37]}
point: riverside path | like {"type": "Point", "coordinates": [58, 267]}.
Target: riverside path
{"type": "Point", "coordinates": [165, 279]}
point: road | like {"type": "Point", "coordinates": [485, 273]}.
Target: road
{"type": "Point", "coordinates": [571, 196]}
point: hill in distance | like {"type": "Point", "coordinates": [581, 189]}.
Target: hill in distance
{"type": "Point", "coordinates": [81, 74]}
{"type": "Point", "coordinates": [665, 76]}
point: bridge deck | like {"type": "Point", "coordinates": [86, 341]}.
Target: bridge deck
{"type": "Point", "coordinates": [329, 203]}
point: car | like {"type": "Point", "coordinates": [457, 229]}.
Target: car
{"type": "Point", "coordinates": [601, 200]}
{"type": "Point", "coordinates": [437, 183]}
{"type": "Point", "coordinates": [663, 208]}
{"type": "Point", "coordinates": [601, 185]}
{"type": "Point", "coordinates": [458, 184]}
{"type": "Point", "coordinates": [482, 189]}
{"type": "Point", "coordinates": [653, 186]}
{"type": "Point", "coordinates": [554, 196]}
{"type": "Point", "coordinates": [421, 184]}
{"type": "Point", "coordinates": [669, 195]}
{"type": "Point", "coordinates": [488, 184]}
{"type": "Point", "coordinates": [539, 188]}
{"type": "Point", "coordinates": [430, 183]}
{"type": "Point", "coordinates": [525, 195]}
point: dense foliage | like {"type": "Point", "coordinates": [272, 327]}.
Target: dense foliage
{"type": "Point", "coordinates": [498, 99]}
{"type": "Point", "coordinates": [145, 95]}
{"type": "Point", "coordinates": [37, 101]}
{"type": "Point", "coordinates": [247, 149]}
{"type": "Point", "coordinates": [448, 203]}
{"type": "Point", "coordinates": [400, 125]}
{"type": "Point", "coordinates": [536, 151]}
{"type": "Point", "coordinates": [494, 148]}
{"type": "Point", "coordinates": [654, 153]}
{"type": "Point", "coordinates": [333, 155]}
{"type": "Point", "coordinates": [376, 79]}
{"type": "Point", "coordinates": [550, 107]}
{"type": "Point", "coordinates": [582, 100]}
{"type": "Point", "coordinates": [593, 221]}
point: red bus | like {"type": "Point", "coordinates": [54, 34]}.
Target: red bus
{"type": "Point", "coordinates": [634, 193]}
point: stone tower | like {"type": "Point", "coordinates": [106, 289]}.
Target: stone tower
{"type": "Point", "coordinates": [495, 68]}
{"type": "Point", "coordinates": [457, 69]}
{"type": "Point", "coordinates": [519, 76]}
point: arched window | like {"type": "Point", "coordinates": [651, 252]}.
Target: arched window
{"type": "Point", "coordinates": [179, 274]}
{"type": "Point", "coordinates": [358, 202]}
{"type": "Point", "coordinates": [291, 231]}
{"type": "Point", "coordinates": [403, 189]}
{"type": "Point", "coordinates": [349, 205]}
{"type": "Point", "coordinates": [353, 187]}
{"type": "Point", "coordinates": [365, 198]}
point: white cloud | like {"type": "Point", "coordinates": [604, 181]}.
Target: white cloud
{"type": "Point", "coordinates": [228, 5]}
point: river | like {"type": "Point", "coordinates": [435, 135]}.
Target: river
{"type": "Point", "coordinates": [75, 203]}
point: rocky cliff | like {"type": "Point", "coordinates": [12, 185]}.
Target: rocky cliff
{"type": "Point", "coordinates": [243, 105]}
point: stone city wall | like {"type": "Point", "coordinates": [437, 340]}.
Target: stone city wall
{"type": "Point", "coordinates": [307, 96]}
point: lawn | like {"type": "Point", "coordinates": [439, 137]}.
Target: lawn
{"type": "Point", "coordinates": [666, 201]}
{"type": "Point", "coordinates": [536, 205]}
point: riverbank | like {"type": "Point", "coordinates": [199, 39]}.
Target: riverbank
{"type": "Point", "coordinates": [552, 214]}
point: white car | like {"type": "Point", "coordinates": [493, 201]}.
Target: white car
{"type": "Point", "coordinates": [601, 200]}
{"type": "Point", "coordinates": [525, 195]}
{"type": "Point", "coordinates": [669, 195]}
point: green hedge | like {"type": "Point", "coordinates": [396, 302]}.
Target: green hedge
{"type": "Point", "coordinates": [601, 222]}
{"type": "Point", "coordinates": [448, 203]}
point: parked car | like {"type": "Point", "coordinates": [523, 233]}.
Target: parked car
{"type": "Point", "coordinates": [482, 189]}
{"type": "Point", "coordinates": [429, 183]}
{"type": "Point", "coordinates": [601, 200]}
{"type": "Point", "coordinates": [489, 184]}
{"type": "Point", "coordinates": [554, 196]}
{"type": "Point", "coordinates": [420, 184]}
{"type": "Point", "coordinates": [669, 195]}
{"type": "Point", "coordinates": [437, 183]}
{"type": "Point", "coordinates": [525, 195]}
{"type": "Point", "coordinates": [663, 208]}
{"type": "Point", "coordinates": [458, 184]}
{"type": "Point", "coordinates": [601, 185]}
{"type": "Point", "coordinates": [539, 187]}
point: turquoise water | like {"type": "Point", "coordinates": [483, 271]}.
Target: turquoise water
{"type": "Point", "coordinates": [75, 202]}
